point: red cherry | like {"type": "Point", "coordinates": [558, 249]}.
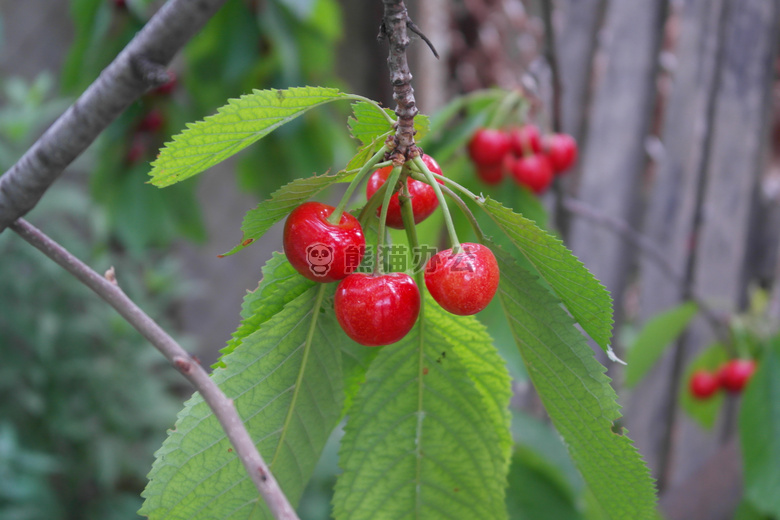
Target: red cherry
{"type": "Point", "coordinates": [492, 174]}
{"type": "Point", "coordinates": [153, 121]}
{"type": "Point", "coordinates": [533, 171]}
{"type": "Point", "coordinates": [463, 283]}
{"type": "Point", "coordinates": [319, 250]}
{"type": "Point", "coordinates": [488, 146]}
{"type": "Point", "coordinates": [735, 374]}
{"type": "Point", "coordinates": [561, 149]}
{"type": "Point", "coordinates": [525, 140]}
{"type": "Point", "coordinates": [424, 200]}
{"type": "Point", "coordinates": [169, 86]}
{"type": "Point", "coordinates": [120, 4]}
{"type": "Point", "coordinates": [377, 310]}
{"type": "Point", "coordinates": [703, 384]}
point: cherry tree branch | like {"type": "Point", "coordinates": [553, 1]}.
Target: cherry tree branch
{"type": "Point", "coordinates": [394, 25]}
{"type": "Point", "coordinates": [139, 67]}
{"type": "Point", "coordinates": [223, 408]}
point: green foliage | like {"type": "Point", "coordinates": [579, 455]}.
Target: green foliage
{"type": "Point", "coordinates": [655, 336]}
{"type": "Point", "coordinates": [584, 296]}
{"type": "Point", "coordinates": [759, 434]}
{"type": "Point", "coordinates": [428, 434]}
{"type": "Point", "coordinates": [279, 382]}
{"type": "Point", "coordinates": [705, 411]}
{"type": "Point", "coordinates": [259, 220]}
{"type": "Point", "coordinates": [575, 393]}
{"type": "Point", "coordinates": [234, 127]}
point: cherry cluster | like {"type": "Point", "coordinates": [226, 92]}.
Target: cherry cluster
{"type": "Point", "coordinates": [522, 153]}
{"type": "Point", "coordinates": [377, 308]}
{"type": "Point", "coordinates": [731, 376]}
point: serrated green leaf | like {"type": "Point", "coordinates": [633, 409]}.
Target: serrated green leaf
{"type": "Point", "coordinates": [198, 476]}
{"type": "Point", "coordinates": [703, 411]}
{"type": "Point", "coordinates": [367, 124]}
{"type": "Point", "coordinates": [584, 296]}
{"type": "Point", "coordinates": [576, 394]}
{"type": "Point", "coordinates": [759, 434]}
{"type": "Point", "coordinates": [657, 334]}
{"type": "Point", "coordinates": [260, 219]}
{"type": "Point", "coordinates": [428, 432]}
{"type": "Point", "coordinates": [280, 284]}
{"type": "Point", "coordinates": [234, 127]}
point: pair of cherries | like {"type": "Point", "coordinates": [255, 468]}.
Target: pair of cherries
{"type": "Point", "coordinates": [732, 376]}
{"type": "Point", "coordinates": [378, 309]}
{"type": "Point", "coordinates": [522, 153]}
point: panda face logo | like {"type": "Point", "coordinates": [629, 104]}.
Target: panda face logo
{"type": "Point", "coordinates": [320, 258]}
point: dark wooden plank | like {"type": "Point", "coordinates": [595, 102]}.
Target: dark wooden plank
{"type": "Point", "coordinates": [576, 29]}
{"type": "Point", "coordinates": [613, 159]}
{"type": "Point", "coordinates": [671, 212]}
{"type": "Point", "coordinates": [733, 166]}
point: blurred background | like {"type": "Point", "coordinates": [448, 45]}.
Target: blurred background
{"type": "Point", "coordinates": [675, 198]}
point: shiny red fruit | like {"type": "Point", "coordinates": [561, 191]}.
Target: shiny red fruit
{"type": "Point", "coordinates": [525, 140]}
{"type": "Point", "coordinates": [377, 310]}
{"type": "Point", "coordinates": [703, 384]}
{"type": "Point", "coordinates": [319, 250]}
{"type": "Point", "coordinates": [488, 146]}
{"type": "Point", "coordinates": [533, 171]}
{"type": "Point", "coordinates": [561, 149]}
{"type": "Point", "coordinates": [463, 283]}
{"type": "Point", "coordinates": [735, 374]}
{"type": "Point", "coordinates": [424, 200]}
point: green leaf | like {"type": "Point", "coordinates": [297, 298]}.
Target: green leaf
{"type": "Point", "coordinates": [260, 219]}
{"type": "Point", "coordinates": [367, 124]}
{"type": "Point", "coordinates": [759, 434]}
{"type": "Point", "coordinates": [428, 435]}
{"type": "Point", "coordinates": [234, 127]}
{"type": "Point", "coordinates": [280, 284]}
{"type": "Point", "coordinates": [576, 394]}
{"type": "Point", "coordinates": [703, 411]}
{"type": "Point", "coordinates": [584, 296]}
{"type": "Point", "coordinates": [534, 494]}
{"type": "Point", "coordinates": [198, 476]}
{"type": "Point", "coordinates": [657, 334]}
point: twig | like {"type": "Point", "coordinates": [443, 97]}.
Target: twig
{"type": "Point", "coordinates": [416, 30]}
{"type": "Point", "coordinates": [220, 404]}
{"type": "Point", "coordinates": [140, 66]}
{"type": "Point", "coordinates": [394, 25]}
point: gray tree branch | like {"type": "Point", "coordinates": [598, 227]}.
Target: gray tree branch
{"type": "Point", "coordinates": [140, 66]}
{"type": "Point", "coordinates": [223, 408]}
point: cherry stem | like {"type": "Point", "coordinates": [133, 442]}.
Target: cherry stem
{"type": "Point", "coordinates": [335, 217]}
{"type": "Point", "coordinates": [407, 214]}
{"type": "Point", "coordinates": [380, 242]}
{"type": "Point", "coordinates": [431, 179]}
{"type": "Point", "coordinates": [505, 108]}
{"type": "Point", "coordinates": [466, 211]}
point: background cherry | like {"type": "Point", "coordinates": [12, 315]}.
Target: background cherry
{"type": "Point", "coordinates": [736, 373]}
{"type": "Point", "coordinates": [377, 310]}
{"type": "Point", "coordinates": [463, 283]}
{"type": "Point", "coordinates": [703, 384]}
{"type": "Point", "coordinates": [561, 150]}
{"type": "Point", "coordinates": [533, 171]}
{"type": "Point", "coordinates": [488, 146]}
{"type": "Point", "coordinates": [492, 174]}
{"type": "Point", "coordinates": [525, 140]}
{"type": "Point", "coordinates": [308, 225]}
{"type": "Point", "coordinates": [424, 200]}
